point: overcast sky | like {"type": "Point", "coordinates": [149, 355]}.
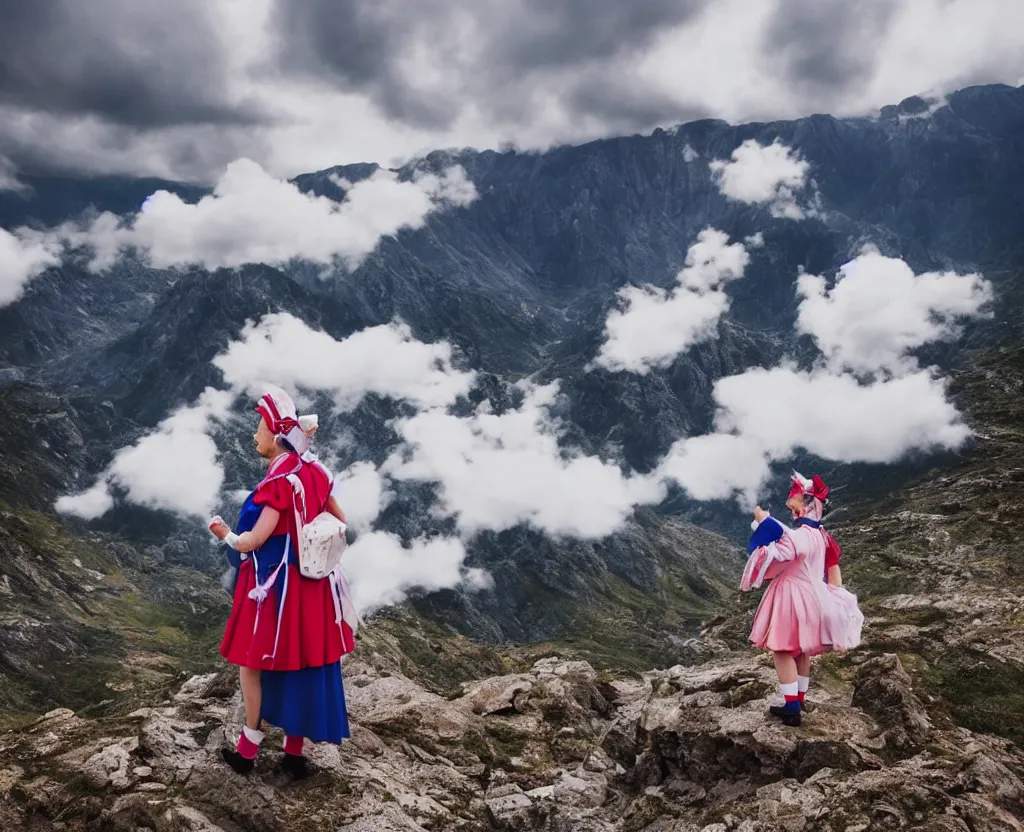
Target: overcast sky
{"type": "Point", "coordinates": [180, 89]}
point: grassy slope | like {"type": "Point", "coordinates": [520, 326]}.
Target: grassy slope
{"type": "Point", "coordinates": [81, 628]}
{"type": "Point", "coordinates": [939, 566]}
{"type": "Point", "coordinates": [633, 628]}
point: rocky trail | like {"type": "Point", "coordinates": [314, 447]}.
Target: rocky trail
{"type": "Point", "coordinates": [559, 747]}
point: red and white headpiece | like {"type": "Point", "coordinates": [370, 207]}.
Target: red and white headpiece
{"type": "Point", "coordinates": [814, 486]}
{"type": "Point", "coordinates": [279, 412]}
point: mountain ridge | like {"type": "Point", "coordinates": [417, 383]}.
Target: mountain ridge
{"type": "Point", "coordinates": [521, 282]}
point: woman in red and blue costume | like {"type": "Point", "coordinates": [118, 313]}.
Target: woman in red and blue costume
{"type": "Point", "coordinates": [286, 632]}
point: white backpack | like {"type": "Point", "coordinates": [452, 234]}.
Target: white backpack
{"type": "Point", "coordinates": [321, 541]}
{"type": "Point", "coordinates": [321, 544]}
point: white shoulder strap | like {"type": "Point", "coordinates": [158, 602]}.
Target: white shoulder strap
{"type": "Point", "coordinates": [298, 493]}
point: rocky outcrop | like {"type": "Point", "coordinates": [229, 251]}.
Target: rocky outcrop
{"type": "Point", "coordinates": [558, 748]}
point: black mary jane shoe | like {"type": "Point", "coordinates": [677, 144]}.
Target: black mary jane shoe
{"type": "Point", "coordinates": [295, 766]}
{"type": "Point", "coordinates": [240, 764]}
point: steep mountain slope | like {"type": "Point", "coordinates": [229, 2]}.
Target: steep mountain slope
{"type": "Point", "coordinates": [88, 621]}
{"type": "Point", "coordinates": [918, 729]}
{"type": "Point", "coordinates": [940, 561]}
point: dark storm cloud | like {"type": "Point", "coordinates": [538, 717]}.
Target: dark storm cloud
{"type": "Point", "coordinates": [625, 107]}
{"type": "Point", "coordinates": [558, 34]}
{"type": "Point", "coordinates": [143, 64]}
{"type": "Point", "coordinates": [359, 44]}
{"type": "Point", "coordinates": [828, 45]}
{"type": "Point", "coordinates": [43, 143]}
{"type": "Point", "coordinates": [356, 44]}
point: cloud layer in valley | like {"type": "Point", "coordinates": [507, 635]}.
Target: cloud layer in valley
{"type": "Point", "coordinates": [867, 400]}
{"type": "Point", "coordinates": [771, 175]}
{"type": "Point", "coordinates": [879, 310]}
{"type": "Point", "coordinates": [496, 471]}
{"type": "Point", "coordinates": [175, 467]}
{"type": "Point", "coordinates": [653, 326]}
{"type": "Point", "coordinates": [492, 470]}
{"type": "Point", "coordinates": [251, 217]}
{"type": "Point", "coordinates": [275, 349]}
{"type": "Point", "coordinates": [306, 84]}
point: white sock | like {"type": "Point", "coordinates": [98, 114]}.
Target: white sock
{"type": "Point", "coordinates": [251, 734]}
{"type": "Point", "coordinates": [789, 689]}
{"type": "Point", "coordinates": [803, 683]}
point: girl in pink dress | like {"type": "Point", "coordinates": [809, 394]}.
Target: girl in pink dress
{"type": "Point", "coordinates": [801, 614]}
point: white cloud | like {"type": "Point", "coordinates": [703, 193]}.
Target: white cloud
{"type": "Point", "coordinates": [767, 415]}
{"type": "Point", "coordinates": [92, 503]}
{"type": "Point", "coordinates": [654, 326]}
{"type": "Point", "coordinates": [867, 401]}
{"type": "Point", "coordinates": [277, 350]}
{"type": "Point", "coordinates": [835, 416]}
{"type": "Point", "coordinates": [712, 261]}
{"type": "Point", "coordinates": [717, 467]}
{"type": "Point", "coordinates": [23, 255]}
{"type": "Point", "coordinates": [497, 471]}
{"type": "Point", "coordinates": [363, 494]}
{"type": "Point", "coordinates": [382, 571]}
{"type": "Point", "coordinates": [759, 175]}
{"type": "Point", "coordinates": [690, 155]}
{"type": "Point", "coordinates": [252, 217]}
{"type": "Point", "coordinates": [879, 310]}
{"type": "Point", "coordinates": [174, 468]}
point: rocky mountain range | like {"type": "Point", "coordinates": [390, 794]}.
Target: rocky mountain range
{"type": "Point", "coordinates": [464, 718]}
{"type": "Point", "coordinates": [521, 282]}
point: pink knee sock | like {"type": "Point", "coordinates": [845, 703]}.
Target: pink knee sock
{"type": "Point", "coordinates": [293, 745]}
{"type": "Point", "coordinates": [249, 742]}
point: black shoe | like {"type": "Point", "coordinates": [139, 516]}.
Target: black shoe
{"type": "Point", "coordinates": [790, 716]}
{"type": "Point", "coordinates": [239, 763]}
{"type": "Point", "coordinates": [296, 766]}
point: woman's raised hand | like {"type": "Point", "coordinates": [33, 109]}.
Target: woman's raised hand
{"type": "Point", "coordinates": [760, 514]}
{"type": "Point", "coordinates": [219, 528]}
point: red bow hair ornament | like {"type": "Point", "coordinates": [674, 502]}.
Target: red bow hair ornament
{"type": "Point", "coordinates": [815, 487]}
